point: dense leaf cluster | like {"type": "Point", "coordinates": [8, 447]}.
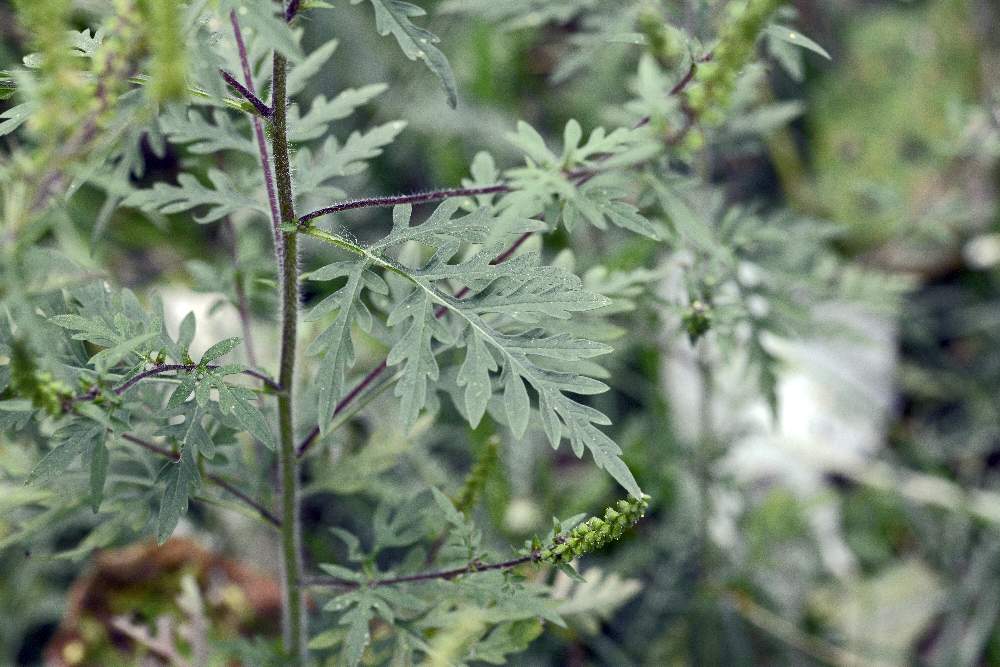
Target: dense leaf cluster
{"type": "Point", "coordinates": [465, 299]}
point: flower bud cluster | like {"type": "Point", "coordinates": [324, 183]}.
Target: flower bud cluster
{"type": "Point", "coordinates": [61, 87]}
{"type": "Point", "coordinates": [596, 532]}
{"type": "Point", "coordinates": [714, 81]}
{"type": "Point", "coordinates": [40, 387]}
{"type": "Point", "coordinates": [162, 19]}
{"type": "Point", "coordinates": [666, 43]}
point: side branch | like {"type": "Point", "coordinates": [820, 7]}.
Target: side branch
{"type": "Point", "coordinates": [584, 538]}
{"type": "Point", "coordinates": [581, 176]}
{"type": "Point", "coordinates": [219, 481]}
{"type": "Point", "coordinates": [418, 198]}
{"type": "Point", "coordinates": [471, 568]}
{"type": "Point", "coordinates": [162, 369]}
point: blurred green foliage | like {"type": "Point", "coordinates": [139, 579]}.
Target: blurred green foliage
{"type": "Point", "coordinates": [882, 124]}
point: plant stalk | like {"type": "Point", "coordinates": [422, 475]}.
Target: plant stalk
{"type": "Point", "coordinates": [294, 617]}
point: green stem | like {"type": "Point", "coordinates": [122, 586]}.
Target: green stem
{"type": "Point", "coordinates": [294, 617]}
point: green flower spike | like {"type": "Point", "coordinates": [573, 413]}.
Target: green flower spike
{"type": "Point", "coordinates": [595, 533]}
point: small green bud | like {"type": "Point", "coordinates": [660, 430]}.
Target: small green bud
{"type": "Point", "coordinates": [474, 483]}
{"type": "Point", "coordinates": [697, 320]}
{"type": "Point", "coordinates": [712, 117]}
{"type": "Point", "coordinates": [694, 140]}
{"type": "Point", "coordinates": [666, 43]}
{"type": "Point", "coordinates": [707, 71]}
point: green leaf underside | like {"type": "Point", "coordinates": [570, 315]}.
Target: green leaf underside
{"type": "Point", "coordinates": [221, 200]}
{"type": "Point", "coordinates": [581, 179]}
{"type": "Point", "coordinates": [333, 160]}
{"type": "Point", "coordinates": [203, 137]}
{"type": "Point", "coordinates": [16, 116]}
{"type": "Point", "coordinates": [182, 480]}
{"type": "Point", "coordinates": [322, 111]}
{"type": "Point", "coordinates": [79, 438]}
{"type": "Point", "coordinates": [393, 17]}
{"type": "Point", "coordinates": [221, 348]}
{"type": "Point", "coordinates": [502, 324]}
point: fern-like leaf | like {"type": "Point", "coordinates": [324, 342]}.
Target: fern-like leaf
{"type": "Point", "coordinates": [334, 345]}
{"type": "Point", "coordinates": [322, 111]}
{"type": "Point", "coordinates": [502, 322]}
{"type": "Point", "coordinates": [332, 160]}
{"type": "Point", "coordinates": [204, 137]}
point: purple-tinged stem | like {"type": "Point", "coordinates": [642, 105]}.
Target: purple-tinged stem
{"type": "Point", "coordinates": [395, 200]}
{"type": "Point", "coordinates": [160, 370]}
{"type": "Point", "coordinates": [247, 94]}
{"type": "Point", "coordinates": [258, 130]}
{"type": "Point", "coordinates": [471, 568]}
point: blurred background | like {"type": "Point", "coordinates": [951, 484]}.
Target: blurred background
{"type": "Point", "coordinates": [825, 492]}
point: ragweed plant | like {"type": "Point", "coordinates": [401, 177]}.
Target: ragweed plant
{"type": "Point", "coordinates": [130, 424]}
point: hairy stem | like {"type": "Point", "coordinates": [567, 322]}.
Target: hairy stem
{"type": "Point", "coordinates": [294, 630]}
{"type": "Point", "coordinates": [166, 368]}
{"type": "Point", "coordinates": [395, 200]}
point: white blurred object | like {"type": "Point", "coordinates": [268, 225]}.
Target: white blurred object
{"type": "Point", "coordinates": [983, 251]}
{"type": "Point", "coordinates": [245, 534]}
{"type": "Point", "coordinates": [224, 323]}
{"type": "Point", "coordinates": [835, 398]}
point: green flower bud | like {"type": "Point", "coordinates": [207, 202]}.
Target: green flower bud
{"type": "Point", "coordinates": [693, 140]}
{"type": "Point", "coordinates": [697, 320]}
{"type": "Point", "coordinates": [29, 382]}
